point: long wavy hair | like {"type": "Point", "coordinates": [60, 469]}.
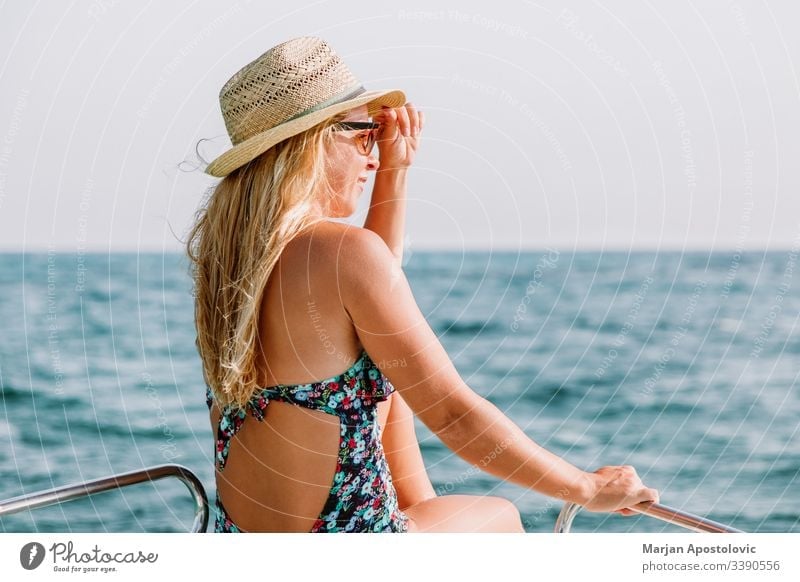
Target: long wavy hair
{"type": "Point", "coordinates": [240, 232]}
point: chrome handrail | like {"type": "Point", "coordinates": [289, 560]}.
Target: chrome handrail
{"type": "Point", "coordinates": [69, 492]}
{"type": "Point", "coordinates": [656, 510]}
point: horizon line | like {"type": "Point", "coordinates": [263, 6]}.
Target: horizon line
{"type": "Point", "coordinates": [428, 249]}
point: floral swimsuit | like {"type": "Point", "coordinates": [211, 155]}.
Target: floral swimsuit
{"type": "Point", "coordinates": [362, 497]}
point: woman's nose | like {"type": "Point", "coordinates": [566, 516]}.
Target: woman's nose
{"type": "Point", "coordinates": [372, 162]}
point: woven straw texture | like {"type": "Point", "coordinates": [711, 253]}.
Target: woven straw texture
{"type": "Point", "coordinates": [287, 90]}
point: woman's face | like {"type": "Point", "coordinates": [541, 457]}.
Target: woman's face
{"type": "Point", "coordinates": [348, 167]}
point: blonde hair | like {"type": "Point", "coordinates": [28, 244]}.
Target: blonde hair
{"type": "Point", "coordinates": [239, 234]}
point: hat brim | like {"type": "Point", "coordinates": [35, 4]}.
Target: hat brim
{"type": "Point", "coordinates": [251, 148]}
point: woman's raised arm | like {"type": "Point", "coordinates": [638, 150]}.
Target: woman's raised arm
{"type": "Point", "coordinates": [395, 333]}
{"type": "Point", "coordinates": [397, 142]}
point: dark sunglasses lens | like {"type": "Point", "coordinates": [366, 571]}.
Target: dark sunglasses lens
{"type": "Point", "coordinates": [369, 142]}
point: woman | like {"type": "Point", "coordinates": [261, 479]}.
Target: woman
{"type": "Point", "coordinates": [286, 297]}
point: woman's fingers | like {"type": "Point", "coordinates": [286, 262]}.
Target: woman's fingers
{"type": "Point", "coordinates": [620, 489]}
{"type": "Point", "coordinates": [413, 120]}
{"type": "Point", "coordinates": [388, 121]}
{"type": "Point", "coordinates": [407, 118]}
{"type": "Point", "coordinates": [403, 123]}
{"type": "Point", "coordinates": [648, 495]}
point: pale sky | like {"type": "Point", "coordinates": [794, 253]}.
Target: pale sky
{"type": "Point", "coordinates": [603, 125]}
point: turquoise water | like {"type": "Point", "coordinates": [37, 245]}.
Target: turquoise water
{"type": "Point", "coordinates": [684, 365]}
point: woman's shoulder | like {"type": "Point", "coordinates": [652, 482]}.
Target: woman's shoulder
{"type": "Point", "coordinates": [329, 230]}
{"type": "Point", "coordinates": [329, 252]}
{"type": "Point", "coordinates": [339, 242]}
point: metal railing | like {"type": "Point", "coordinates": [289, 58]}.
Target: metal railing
{"type": "Point", "coordinates": [69, 492]}
{"type": "Point", "coordinates": [656, 510]}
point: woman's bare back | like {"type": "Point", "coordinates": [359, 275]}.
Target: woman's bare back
{"type": "Point", "coordinates": [279, 472]}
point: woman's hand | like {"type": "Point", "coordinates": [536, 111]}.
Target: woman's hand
{"type": "Point", "coordinates": [617, 488]}
{"type": "Point", "coordinates": [398, 136]}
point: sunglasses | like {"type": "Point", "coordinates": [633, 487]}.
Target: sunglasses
{"type": "Point", "coordinates": [364, 141]}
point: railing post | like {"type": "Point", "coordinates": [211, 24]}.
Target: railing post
{"type": "Point", "coordinates": [69, 492]}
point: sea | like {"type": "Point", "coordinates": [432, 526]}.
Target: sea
{"type": "Point", "coordinates": [683, 364]}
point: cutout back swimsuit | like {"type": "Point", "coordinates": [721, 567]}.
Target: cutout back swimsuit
{"type": "Point", "coordinates": [362, 497]}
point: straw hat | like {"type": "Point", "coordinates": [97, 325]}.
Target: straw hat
{"type": "Point", "coordinates": [287, 90]}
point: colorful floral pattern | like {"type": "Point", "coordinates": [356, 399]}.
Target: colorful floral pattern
{"type": "Point", "coordinates": [362, 496]}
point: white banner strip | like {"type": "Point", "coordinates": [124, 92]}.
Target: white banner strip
{"type": "Point", "coordinates": [388, 557]}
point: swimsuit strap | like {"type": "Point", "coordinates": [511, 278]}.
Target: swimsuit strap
{"type": "Point", "coordinates": [231, 421]}
{"type": "Point", "coordinates": [355, 390]}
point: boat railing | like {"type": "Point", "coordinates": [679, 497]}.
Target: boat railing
{"type": "Point", "coordinates": [70, 492]}
{"type": "Point", "coordinates": [656, 510]}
